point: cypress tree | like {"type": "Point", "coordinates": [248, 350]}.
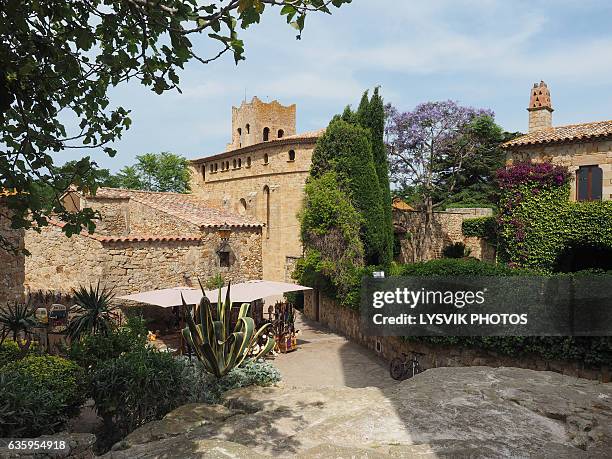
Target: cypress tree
{"type": "Point", "coordinates": [371, 115]}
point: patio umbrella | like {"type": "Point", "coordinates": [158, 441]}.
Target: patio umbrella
{"type": "Point", "coordinates": [167, 297]}
{"type": "Point", "coordinates": [245, 292]}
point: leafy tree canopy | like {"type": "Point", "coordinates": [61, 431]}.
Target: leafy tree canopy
{"type": "Point", "coordinates": [59, 59]}
{"type": "Point", "coordinates": [157, 172]}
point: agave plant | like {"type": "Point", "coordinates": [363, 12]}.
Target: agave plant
{"type": "Point", "coordinates": [16, 319]}
{"type": "Point", "coordinates": [94, 313]}
{"type": "Point", "coordinates": [219, 347]}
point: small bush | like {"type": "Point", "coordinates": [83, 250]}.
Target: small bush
{"type": "Point", "coordinates": [94, 349]}
{"type": "Point", "coordinates": [26, 411]}
{"type": "Point", "coordinates": [135, 388]}
{"type": "Point", "coordinates": [48, 390]}
{"type": "Point", "coordinates": [455, 250]}
{"type": "Point", "coordinates": [205, 388]}
{"type": "Point", "coordinates": [9, 352]}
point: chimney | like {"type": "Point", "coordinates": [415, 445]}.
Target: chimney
{"type": "Point", "coordinates": [540, 109]}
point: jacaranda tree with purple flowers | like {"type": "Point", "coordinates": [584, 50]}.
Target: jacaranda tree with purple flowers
{"type": "Point", "coordinates": [429, 148]}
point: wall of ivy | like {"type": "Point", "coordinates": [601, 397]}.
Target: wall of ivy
{"type": "Point", "coordinates": [537, 221]}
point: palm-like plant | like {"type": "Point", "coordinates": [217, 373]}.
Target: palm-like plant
{"type": "Point", "coordinates": [94, 313]}
{"type": "Point", "coordinates": [216, 345]}
{"type": "Point", "coordinates": [17, 318]}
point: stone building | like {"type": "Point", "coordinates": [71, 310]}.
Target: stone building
{"type": "Point", "coordinates": [144, 241]}
{"type": "Point", "coordinates": [262, 175]}
{"type": "Point", "coordinates": [586, 149]}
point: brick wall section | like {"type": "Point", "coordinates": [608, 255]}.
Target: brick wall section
{"type": "Point", "coordinates": [61, 264]}
{"type": "Point", "coordinates": [347, 322]}
{"type": "Point", "coordinates": [573, 155]}
{"type": "Point", "coordinates": [12, 265]}
{"type": "Point", "coordinates": [285, 181]}
{"type": "Point", "coordinates": [446, 230]}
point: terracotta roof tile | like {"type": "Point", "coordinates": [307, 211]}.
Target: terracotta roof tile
{"type": "Point", "coordinates": [132, 237]}
{"type": "Point", "coordinates": [572, 132]}
{"type": "Point", "coordinates": [187, 207]}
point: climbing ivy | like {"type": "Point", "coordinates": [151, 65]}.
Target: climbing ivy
{"type": "Point", "coordinates": [537, 221]}
{"type": "Point", "coordinates": [483, 227]}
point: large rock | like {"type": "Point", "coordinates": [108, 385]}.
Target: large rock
{"type": "Point", "coordinates": [443, 412]}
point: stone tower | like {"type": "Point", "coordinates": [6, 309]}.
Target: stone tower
{"type": "Point", "coordinates": [256, 121]}
{"type": "Point", "coordinates": [540, 108]}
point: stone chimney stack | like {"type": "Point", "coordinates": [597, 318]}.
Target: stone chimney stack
{"type": "Point", "coordinates": [540, 108]}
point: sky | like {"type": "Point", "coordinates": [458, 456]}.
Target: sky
{"type": "Point", "coordinates": [481, 53]}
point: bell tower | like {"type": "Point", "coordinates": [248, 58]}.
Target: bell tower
{"type": "Point", "coordinates": [256, 121]}
{"type": "Point", "coordinates": [540, 108]}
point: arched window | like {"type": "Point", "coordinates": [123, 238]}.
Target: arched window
{"type": "Point", "coordinates": [212, 168]}
{"type": "Point", "coordinates": [242, 208]}
{"type": "Point", "coordinates": [291, 155]}
{"type": "Point", "coordinates": [234, 164]}
{"type": "Point", "coordinates": [216, 167]}
{"type": "Point", "coordinates": [589, 183]}
{"type": "Point", "coordinates": [266, 134]}
{"type": "Point", "coordinates": [281, 133]}
{"type": "Point", "coordinates": [265, 158]}
{"type": "Point", "coordinates": [248, 161]}
{"type": "Point", "coordinates": [239, 163]}
{"type": "Point", "coordinates": [239, 137]}
{"type": "Point", "coordinates": [248, 128]}
{"type": "Point", "coordinates": [266, 192]}
{"type": "Point", "coordinates": [226, 165]}
{"type": "Point", "coordinates": [204, 172]}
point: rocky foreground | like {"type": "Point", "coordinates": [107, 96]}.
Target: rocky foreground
{"type": "Point", "coordinates": [444, 412]}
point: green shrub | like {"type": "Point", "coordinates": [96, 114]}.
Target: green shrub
{"type": "Point", "coordinates": [594, 351]}
{"type": "Point", "coordinates": [455, 250]}
{"type": "Point", "coordinates": [456, 267]}
{"type": "Point", "coordinates": [93, 349]}
{"type": "Point", "coordinates": [137, 387]}
{"type": "Point", "coordinates": [26, 411]}
{"type": "Point", "coordinates": [58, 379]}
{"type": "Point", "coordinates": [483, 227]}
{"type": "Point", "coordinates": [9, 352]}
{"type": "Point", "coordinates": [205, 388]}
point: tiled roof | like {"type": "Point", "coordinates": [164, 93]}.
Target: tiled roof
{"type": "Point", "coordinates": [400, 204]}
{"type": "Point", "coordinates": [131, 238]}
{"type": "Point", "coordinates": [572, 132]}
{"type": "Point", "coordinates": [187, 207]}
{"type": "Point", "coordinates": [304, 137]}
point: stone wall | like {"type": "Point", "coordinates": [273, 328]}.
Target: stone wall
{"type": "Point", "coordinates": [573, 155]}
{"type": "Point", "coordinates": [115, 215]}
{"type": "Point", "coordinates": [61, 264]}
{"type": "Point", "coordinates": [446, 230]}
{"type": "Point", "coordinates": [347, 322]}
{"type": "Point", "coordinates": [271, 192]}
{"type": "Point", "coordinates": [12, 264]}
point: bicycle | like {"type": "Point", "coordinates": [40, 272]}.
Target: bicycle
{"type": "Point", "coordinates": [404, 367]}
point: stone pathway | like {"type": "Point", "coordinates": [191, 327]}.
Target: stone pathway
{"type": "Point", "coordinates": [325, 359]}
